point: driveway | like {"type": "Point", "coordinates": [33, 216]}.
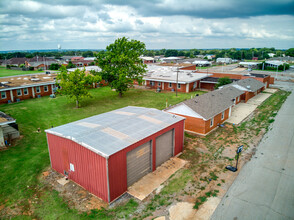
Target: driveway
{"type": "Point", "coordinates": [264, 188]}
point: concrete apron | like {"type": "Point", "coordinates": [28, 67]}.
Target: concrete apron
{"type": "Point", "coordinates": [152, 181]}
{"type": "Point", "coordinates": [243, 110]}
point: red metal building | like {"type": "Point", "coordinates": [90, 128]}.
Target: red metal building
{"type": "Point", "coordinates": [109, 152]}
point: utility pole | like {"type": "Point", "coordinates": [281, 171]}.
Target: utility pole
{"type": "Point", "coordinates": [177, 81]}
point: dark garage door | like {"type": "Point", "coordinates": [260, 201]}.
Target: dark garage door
{"type": "Point", "coordinates": [164, 147]}
{"type": "Point", "coordinates": [138, 163]}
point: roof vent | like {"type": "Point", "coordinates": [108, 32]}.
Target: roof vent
{"type": "Point", "coordinates": [248, 87]}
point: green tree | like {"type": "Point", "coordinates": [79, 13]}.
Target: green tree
{"type": "Point", "coordinates": [171, 53]}
{"type": "Point", "coordinates": [75, 84]}
{"type": "Point", "coordinates": [120, 64]}
{"type": "Point", "coordinates": [223, 81]}
{"type": "Point", "coordinates": [70, 65]}
{"type": "Point", "coordinates": [54, 66]}
{"type": "Point", "coordinates": [290, 52]}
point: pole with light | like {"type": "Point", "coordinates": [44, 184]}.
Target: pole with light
{"type": "Point", "coordinates": [231, 168]}
{"type": "Point", "coordinates": [177, 81]}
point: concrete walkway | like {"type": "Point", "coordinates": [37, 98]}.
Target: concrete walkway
{"type": "Point", "coordinates": [243, 110]}
{"type": "Point", "coordinates": [264, 188]}
{"type": "Point", "coordinates": [153, 180]}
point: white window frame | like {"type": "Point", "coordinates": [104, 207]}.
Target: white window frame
{"type": "Point", "coordinates": [37, 89]}
{"type": "Point", "coordinates": [179, 86]}
{"type": "Point", "coordinates": [4, 92]}
{"type": "Point", "coordinates": [19, 90]}
{"type": "Point", "coordinates": [223, 115]}
{"type": "Point", "coordinates": [25, 91]}
{"type": "Point", "coordinates": [169, 85]}
{"type": "Point", "coordinates": [46, 89]}
{"type": "Point", "coordinates": [211, 122]}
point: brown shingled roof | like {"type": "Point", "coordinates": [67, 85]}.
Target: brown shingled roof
{"type": "Point", "coordinates": [210, 104]}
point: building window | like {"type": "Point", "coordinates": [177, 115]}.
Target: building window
{"type": "Point", "coordinates": [223, 115]}
{"type": "Point", "coordinates": [18, 92]}
{"type": "Point", "coordinates": [194, 85]}
{"type": "Point", "coordinates": [179, 86]}
{"type": "Point", "coordinates": [211, 122]}
{"type": "Point", "coordinates": [45, 88]}
{"type": "Point", "coordinates": [151, 83]}
{"type": "Point", "coordinates": [170, 85]}
{"type": "Point", "coordinates": [3, 95]}
{"type": "Point", "coordinates": [38, 90]}
{"type": "Point", "coordinates": [25, 91]}
{"type": "Point", "coordinates": [159, 83]}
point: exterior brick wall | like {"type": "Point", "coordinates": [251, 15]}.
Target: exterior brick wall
{"type": "Point", "coordinates": [208, 86]}
{"type": "Point", "coordinates": [200, 126]}
{"type": "Point", "coordinates": [165, 86]}
{"type": "Point", "coordinates": [28, 96]}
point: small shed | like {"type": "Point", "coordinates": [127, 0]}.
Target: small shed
{"type": "Point", "coordinates": [8, 129]}
{"type": "Point", "coordinates": [109, 152]}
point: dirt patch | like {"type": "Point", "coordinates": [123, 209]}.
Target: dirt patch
{"type": "Point", "coordinates": [76, 196]}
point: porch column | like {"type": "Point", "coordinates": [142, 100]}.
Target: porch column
{"type": "Point", "coordinates": [52, 89]}
{"type": "Point", "coordinates": [2, 143]}
{"type": "Point", "coordinates": [33, 91]}
{"type": "Point", "coordinates": [187, 87]}
{"type": "Point", "coordinates": [11, 96]}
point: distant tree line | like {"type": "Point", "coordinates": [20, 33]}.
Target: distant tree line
{"type": "Point", "coordinates": [54, 54]}
{"type": "Point", "coordinates": [238, 54]}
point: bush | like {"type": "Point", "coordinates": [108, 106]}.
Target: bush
{"type": "Point", "coordinates": [31, 68]}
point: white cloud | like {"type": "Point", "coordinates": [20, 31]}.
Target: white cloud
{"type": "Point", "coordinates": [41, 25]}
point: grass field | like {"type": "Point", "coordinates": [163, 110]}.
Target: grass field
{"type": "Point", "coordinates": [8, 72]}
{"type": "Point", "coordinates": [22, 164]}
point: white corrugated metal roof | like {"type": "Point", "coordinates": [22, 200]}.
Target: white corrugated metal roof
{"type": "Point", "coordinates": [113, 131]}
{"type": "Point", "coordinates": [169, 74]}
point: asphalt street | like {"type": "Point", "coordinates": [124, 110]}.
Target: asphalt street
{"type": "Point", "coordinates": [264, 188]}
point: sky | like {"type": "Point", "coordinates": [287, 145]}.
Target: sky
{"type": "Point", "coordinates": [170, 24]}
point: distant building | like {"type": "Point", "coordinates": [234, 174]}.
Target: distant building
{"type": "Point", "coordinates": [165, 78]}
{"type": "Point", "coordinates": [271, 54]}
{"type": "Point", "coordinates": [202, 63]}
{"type": "Point", "coordinates": [224, 60]}
{"type": "Point", "coordinates": [274, 63]}
{"type": "Point", "coordinates": [17, 88]}
{"type": "Point", "coordinates": [147, 60]}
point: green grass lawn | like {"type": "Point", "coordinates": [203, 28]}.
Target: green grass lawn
{"type": "Point", "coordinates": [22, 164]}
{"type": "Point", "coordinates": [8, 72]}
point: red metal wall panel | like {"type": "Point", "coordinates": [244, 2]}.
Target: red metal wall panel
{"type": "Point", "coordinates": [117, 163]}
{"type": "Point", "coordinates": [90, 168]}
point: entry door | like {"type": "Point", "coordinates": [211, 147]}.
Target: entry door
{"type": "Point", "coordinates": [164, 147]}
{"type": "Point", "coordinates": [138, 163]}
